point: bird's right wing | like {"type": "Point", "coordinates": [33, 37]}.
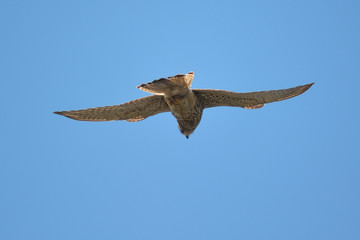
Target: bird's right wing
{"type": "Point", "coordinates": [132, 111]}
{"type": "Point", "coordinates": [252, 100]}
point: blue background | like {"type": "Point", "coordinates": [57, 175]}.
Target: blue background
{"type": "Point", "coordinates": [287, 171]}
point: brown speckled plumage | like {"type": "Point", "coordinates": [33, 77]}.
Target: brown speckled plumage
{"type": "Point", "coordinates": [173, 94]}
{"type": "Point", "coordinates": [132, 111]}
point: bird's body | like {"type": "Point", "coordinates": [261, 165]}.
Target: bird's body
{"type": "Point", "coordinates": [187, 110]}
{"type": "Point", "coordinates": [173, 94]}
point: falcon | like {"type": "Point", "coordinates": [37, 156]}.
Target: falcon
{"type": "Point", "coordinates": [173, 94]}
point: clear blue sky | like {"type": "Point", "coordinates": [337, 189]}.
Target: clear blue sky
{"type": "Point", "coordinates": [287, 171]}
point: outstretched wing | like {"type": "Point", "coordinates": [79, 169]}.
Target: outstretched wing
{"type": "Point", "coordinates": [251, 100]}
{"type": "Point", "coordinates": [132, 111]}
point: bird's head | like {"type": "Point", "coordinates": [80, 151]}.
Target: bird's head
{"type": "Point", "coordinates": [187, 127]}
{"type": "Point", "coordinates": [187, 133]}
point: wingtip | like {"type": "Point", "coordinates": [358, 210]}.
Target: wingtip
{"type": "Point", "coordinates": [63, 113]}
{"type": "Point", "coordinates": [67, 114]}
{"type": "Point", "coordinates": [307, 86]}
{"type": "Point", "coordinates": [57, 112]}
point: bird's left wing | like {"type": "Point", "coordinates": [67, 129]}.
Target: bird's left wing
{"type": "Point", "coordinates": [251, 100]}
{"type": "Point", "coordinates": [132, 111]}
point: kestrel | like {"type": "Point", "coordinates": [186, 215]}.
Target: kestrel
{"type": "Point", "coordinates": [173, 94]}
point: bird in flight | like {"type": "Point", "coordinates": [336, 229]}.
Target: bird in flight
{"type": "Point", "coordinates": [173, 94]}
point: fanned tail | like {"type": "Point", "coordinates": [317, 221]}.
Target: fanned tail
{"type": "Point", "coordinates": [177, 83]}
{"type": "Point", "coordinates": [158, 87]}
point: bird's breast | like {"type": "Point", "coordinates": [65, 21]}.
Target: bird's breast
{"type": "Point", "coordinates": [182, 106]}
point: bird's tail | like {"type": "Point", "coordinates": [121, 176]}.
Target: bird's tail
{"type": "Point", "coordinates": [168, 85]}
